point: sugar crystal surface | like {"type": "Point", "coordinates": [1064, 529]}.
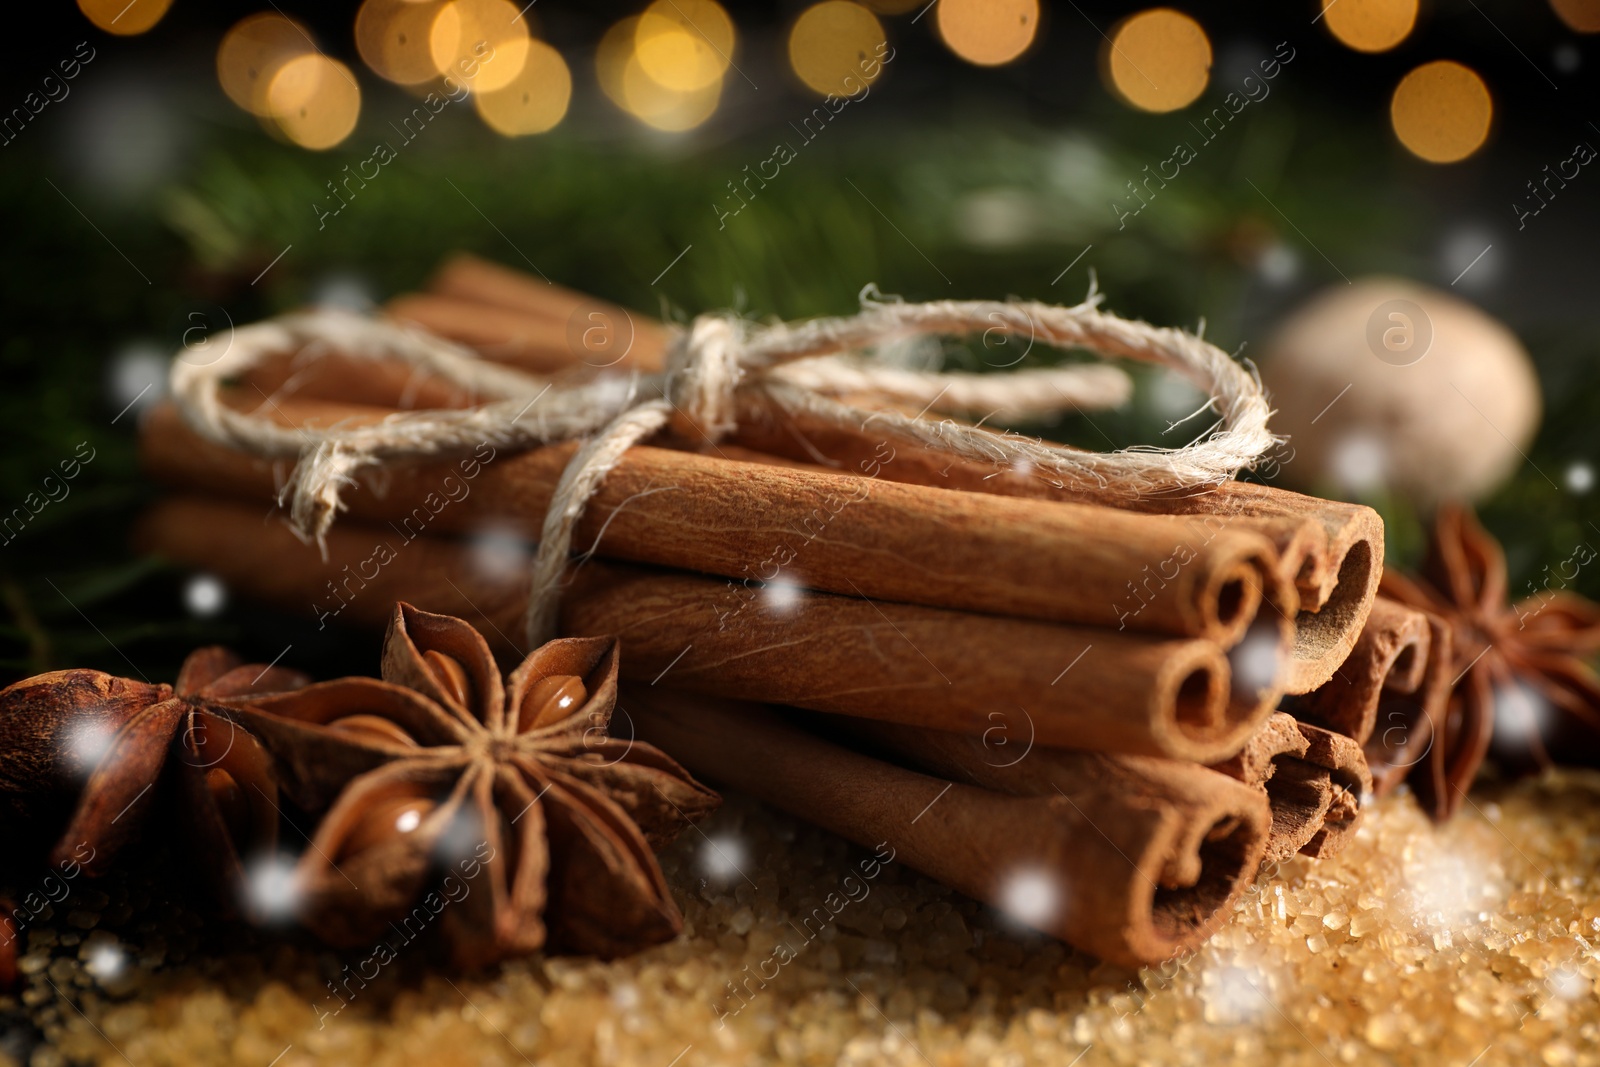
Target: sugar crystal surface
{"type": "Point", "coordinates": [1477, 942]}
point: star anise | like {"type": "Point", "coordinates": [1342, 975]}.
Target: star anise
{"type": "Point", "coordinates": [53, 729]}
{"type": "Point", "coordinates": [516, 791]}
{"type": "Point", "coordinates": [138, 736]}
{"type": "Point", "coordinates": [1511, 662]}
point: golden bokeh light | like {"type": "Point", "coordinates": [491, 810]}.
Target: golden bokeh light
{"type": "Point", "coordinates": [988, 32]}
{"type": "Point", "coordinates": [837, 47]}
{"type": "Point", "coordinates": [1581, 16]}
{"type": "Point", "coordinates": [252, 51]}
{"type": "Point", "coordinates": [1370, 25]}
{"type": "Point", "coordinates": [124, 17]}
{"type": "Point", "coordinates": [665, 109]}
{"type": "Point", "coordinates": [394, 38]}
{"type": "Point", "coordinates": [314, 100]}
{"type": "Point", "coordinates": [535, 101]}
{"type": "Point", "coordinates": [611, 57]}
{"type": "Point", "coordinates": [684, 45]}
{"type": "Point", "coordinates": [1159, 60]}
{"type": "Point", "coordinates": [625, 81]}
{"type": "Point", "coordinates": [1441, 111]}
{"type": "Point", "coordinates": [481, 43]}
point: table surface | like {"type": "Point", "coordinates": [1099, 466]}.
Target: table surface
{"type": "Point", "coordinates": [1468, 944]}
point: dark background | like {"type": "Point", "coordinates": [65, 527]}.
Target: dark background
{"type": "Point", "coordinates": [145, 195]}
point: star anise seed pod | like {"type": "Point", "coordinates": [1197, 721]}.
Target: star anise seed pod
{"type": "Point", "coordinates": [185, 737]}
{"type": "Point", "coordinates": [515, 787]}
{"type": "Point", "coordinates": [1538, 642]}
{"type": "Point", "coordinates": [53, 729]}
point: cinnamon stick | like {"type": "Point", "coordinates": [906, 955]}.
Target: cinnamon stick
{"type": "Point", "coordinates": [366, 571]}
{"type": "Point", "coordinates": [503, 336]}
{"type": "Point", "coordinates": [506, 315]}
{"type": "Point", "coordinates": [759, 523]}
{"type": "Point", "coordinates": [349, 379]}
{"type": "Point", "coordinates": [1255, 764]}
{"type": "Point", "coordinates": [484, 282]}
{"type": "Point", "coordinates": [1407, 742]}
{"type": "Point", "coordinates": [1314, 781]}
{"type": "Point", "coordinates": [1350, 784]}
{"type": "Point", "coordinates": [1100, 869]}
{"type": "Point", "coordinates": [1391, 653]}
{"type": "Point", "coordinates": [1213, 806]}
{"type": "Point", "coordinates": [514, 318]}
{"type": "Point", "coordinates": [1082, 687]}
{"type": "Point", "coordinates": [1313, 535]}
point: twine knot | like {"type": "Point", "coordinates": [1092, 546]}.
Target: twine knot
{"type": "Point", "coordinates": [703, 371]}
{"type": "Point", "coordinates": [723, 371]}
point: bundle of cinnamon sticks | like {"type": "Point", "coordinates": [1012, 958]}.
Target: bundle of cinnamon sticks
{"type": "Point", "coordinates": [1021, 686]}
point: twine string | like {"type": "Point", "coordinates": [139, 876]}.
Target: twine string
{"type": "Point", "coordinates": [720, 372]}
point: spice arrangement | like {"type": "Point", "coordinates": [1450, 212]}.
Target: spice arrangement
{"type": "Point", "coordinates": [1132, 649]}
{"type": "Point", "coordinates": [1048, 728]}
{"type": "Point", "coordinates": [1101, 709]}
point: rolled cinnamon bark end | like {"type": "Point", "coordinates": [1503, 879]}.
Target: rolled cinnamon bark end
{"type": "Point", "coordinates": [1350, 783]}
{"type": "Point", "coordinates": [1409, 712]}
{"type": "Point", "coordinates": [1298, 793]}
{"type": "Point", "coordinates": [1081, 564]}
{"type": "Point", "coordinates": [1315, 781]}
{"type": "Point", "coordinates": [1229, 594]}
{"type": "Point", "coordinates": [1257, 762]}
{"type": "Point", "coordinates": [1075, 687]}
{"type": "Point", "coordinates": [1324, 637]}
{"type": "Point", "coordinates": [1088, 870]}
{"type": "Point", "coordinates": [1314, 537]}
{"type": "Point", "coordinates": [1391, 653]}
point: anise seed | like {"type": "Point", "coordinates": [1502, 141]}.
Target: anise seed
{"type": "Point", "coordinates": [388, 820]}
{"type": "Point", "coordinates": [549, 700]}
{"type": "Point", "coordinates": [451, 676]}
{"type": "Point", "coordinates": [373, 728]}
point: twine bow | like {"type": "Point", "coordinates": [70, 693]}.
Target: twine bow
{"type": "Point", "coordinates": [724, 371]}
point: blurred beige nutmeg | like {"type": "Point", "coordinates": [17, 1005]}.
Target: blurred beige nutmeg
{"type": "Point", "coordinates": [1385, 383]}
